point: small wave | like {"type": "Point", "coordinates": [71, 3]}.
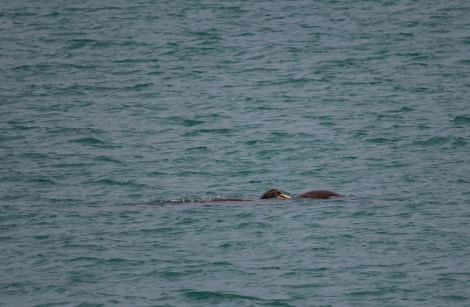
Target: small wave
{"type": "Point", "coordinates": [111, 182]}
{"type": "Point", "coordinates": [35, 156]}
{"type": "Point", "coordinates": [185, 121]}
{"type": "Point", "coordinates": [461, 120]}
{"type": "Point", "coordinates": [253, 225]}
{"type": "Point", "coordinates": [139, 86]}
{"type": "Point", "coordinates": [201, 295]}
{"type": "Point", "coordinates": [107, 159]}
{"type": "Point", "coordinates": [454, 298]}
{"type": "Point", "coordinates": [44, 180]}
{"type": "Point", "coordinates": [435, 140]}
{"type": "Point", "coordinates": [197, 149]}
{"type": "Point", "coordinates": [381, 140]}
{"type": "Point", "coordinates": [216, 131]}
{"type": "Point", "coordinates": [192, 122]}
{"type": "Point", "coordinates": [93, 141]}
{"type": "Point", "coordinates": [214, 200]}
{"type": "Point", "coordinates": [458, 142]}
{"type": "Point", "coordinates": [88, 140]}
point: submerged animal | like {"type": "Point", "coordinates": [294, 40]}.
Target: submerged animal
{"type": "Point", "coordinates": [317, 194]}
{"type": "Point", "coordinates": [320, 194]}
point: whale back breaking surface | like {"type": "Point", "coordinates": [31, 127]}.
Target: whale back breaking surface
{"type": "Point", "coordinates": [320, 194]}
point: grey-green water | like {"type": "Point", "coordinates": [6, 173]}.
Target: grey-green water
{"type": "Point", "coordinates": [118, 118]}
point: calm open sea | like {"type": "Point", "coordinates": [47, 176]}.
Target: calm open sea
{"type": "Point", "coordinates": [119, 119]}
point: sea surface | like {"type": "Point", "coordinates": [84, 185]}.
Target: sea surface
{"type": "Point", "coordinates": [129, 129]}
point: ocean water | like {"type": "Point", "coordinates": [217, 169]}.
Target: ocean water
{"type": "Point", "coordinates": [125, 126]}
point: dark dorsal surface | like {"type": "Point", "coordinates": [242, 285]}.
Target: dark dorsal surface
{"type": "Point", "coordinates": [320, 194]}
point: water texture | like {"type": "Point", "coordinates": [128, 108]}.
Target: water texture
{"type": "Point", "coordinates": [121, 120]}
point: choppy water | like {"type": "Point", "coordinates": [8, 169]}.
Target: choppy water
{"type": "Point", "coordinates": [118, 117]}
